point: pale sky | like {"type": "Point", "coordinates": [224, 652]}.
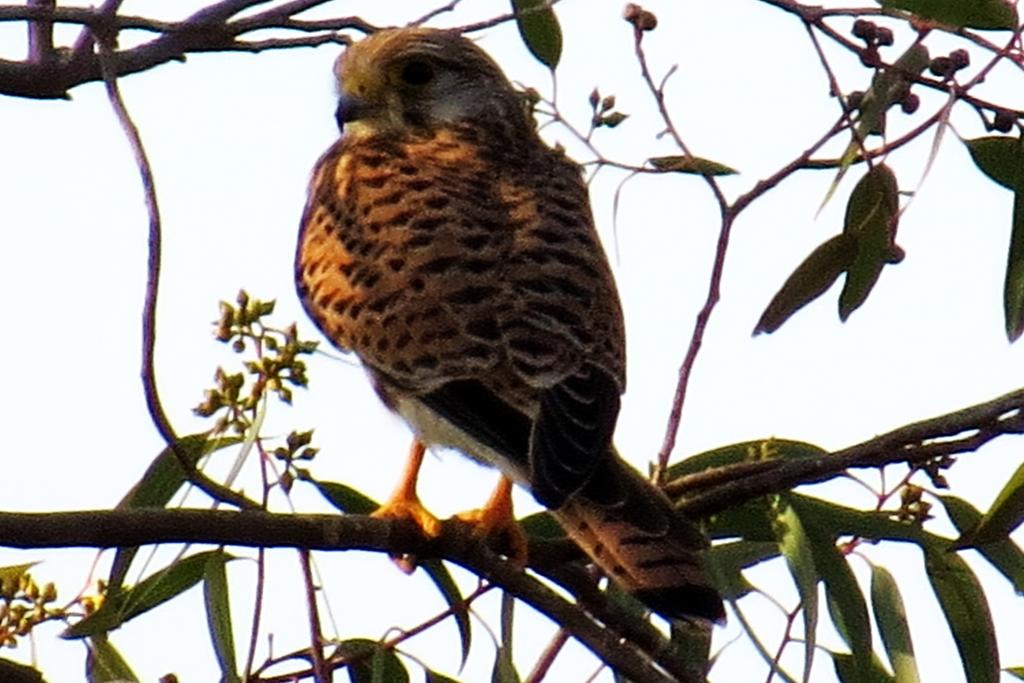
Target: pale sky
{"type": "Point", "coordinates": [232, 139]}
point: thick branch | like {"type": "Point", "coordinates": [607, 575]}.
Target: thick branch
{"type": "Point", "coordinates": [128, 528]}
{"type": "Point", "coordinates": [216, 28]}
{"type": "Point", "coordinates": [961, 431]}
{"type": "Point", "coordinates": [211, 29]}
{"type": "Point", "coordinates": [624, 642]}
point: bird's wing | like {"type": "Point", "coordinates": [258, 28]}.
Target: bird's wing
{"type": "Point", "coordinates": [438, 262]}
{"type": "Point", "coordinates": [562, 326]}
{"type": "Point", "coordinates": [572, 434]}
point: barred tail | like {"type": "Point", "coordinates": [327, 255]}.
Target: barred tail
{"type": "Point", "coordinates": [630, 530]}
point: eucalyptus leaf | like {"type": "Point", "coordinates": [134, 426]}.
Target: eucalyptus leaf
{"type": "Point", "coordinates": [812, 278]}
{"type": "Point", "coordinates": [695, 165]}
{"type": "Point", "coordinates": [871, 217]}
{"type": "Point", "coordinates": [539, 29]}
{"type": "Point", "coordinates": [891, 617]}
{"type": "Point", "coordinates": [980, 14]}
{"type": "Point", "coordinates": [966, 609]}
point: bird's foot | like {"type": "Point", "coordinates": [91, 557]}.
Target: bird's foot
{"type": "Point", "coordinates": [496, 524]}
{"type": "Point", "coordinates": [410, 508]}
{"type": "Point", "coordinates": [404, 504]}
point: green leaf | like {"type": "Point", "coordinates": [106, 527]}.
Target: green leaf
{"type": "Point", "coordinates": [694, 165]}
{"type": "Point", "coordinates": [162, 479]}
{"type": "Point", "coordinates": [105, 664]}
{"type": "Point", "coordinates": [751, 521]}
{"type": "Point", "coordinates": [980, 14]}
{"type": "Point", "coordinates": [1015, 671]}
{"type": "Point", "coordinates": [346, 498]}
{"type": "Point", "coordinates": [759, 449]}
{"type": "Point", "coordinates": [504, 670]}
{"type": "Point", "coordinates": [846, 604]}
{"type": "Point", "coordinates": [891, 617]}
{"type": "Point", "coordinates": [539, 29]}
{"type": "Point", "coordinates": [887, 88]}
{"type": "Point", "coordinates": [1001, 158]}
{"type": "Point", "coordinates": [387, 668]}
{"type": "Point", "coordinates": [218, 616]}
{"type": "Point", "coordinates": [164, 476]}
{"type": "Point", "coordinates": [542, 526]}
{"type": "Point", "coordinates": [156, 589]}
{"type": "Point", "coordinates": [623, 602]}
{"type": "Point", "coordinates": [10, 576]}
{"type": "Point", "coordinates": [368, 662]}
{"type": "Point", "coordinates": [726, 562]}
{"type": "Point", "coordinates": [871, 217]}
{"type": "Point", "coordinates": [963, 602]}
{"type": "Point", "coordinates": [13, 672]}
{"type": "Point", "coordinates": [1006, 514]}
{"type": "Point", "coordinates": [1013, 290]}
{"type": "Point", "coordinates": [434, 677]}
{"type": "Point", "coordinates": [449, 590]}
{"type": "Point", "coordinates": [796, 548]}
{"type": "Point", "coordinates": [811, 279]}
{"type": "Point", "coordinates": [1004, 555]}
{"type": "Point", "coordinates": [874, 525]}
{"type": "Point", "coordinates": [849, 671]}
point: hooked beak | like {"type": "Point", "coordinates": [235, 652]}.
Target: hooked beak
{"type": "Point", "coordinates": [351, 108]}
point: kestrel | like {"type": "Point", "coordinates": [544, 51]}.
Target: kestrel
{"type": "Point", "coordinates": [455, 253]}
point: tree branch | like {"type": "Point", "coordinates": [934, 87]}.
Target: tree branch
{"type": "Point", "coordinates": [716, 489]}
{"type": "Point", "coordinates": [624, 641]}
{"type": "Point", "coordinates": [216, 28]}
{"type": "Point", "coordinates": [148, 369]}
{"type": "Point", "coordinates": [40, 35]}
{"type": "Point", "coordinates": [211, 29]}
{"type": "Point", "coordinates": [129, 528]}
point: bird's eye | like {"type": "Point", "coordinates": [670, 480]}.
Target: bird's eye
{"type": "Point", "coordinates": [416, 72]}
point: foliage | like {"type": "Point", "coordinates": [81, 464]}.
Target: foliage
{"type": "Point", "coordinates": [743, 492]}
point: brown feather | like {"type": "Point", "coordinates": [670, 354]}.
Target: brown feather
{"type": "Point", "coordinates": [455, 253]}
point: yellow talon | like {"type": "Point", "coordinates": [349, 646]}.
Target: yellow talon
{"type": "Point", "coordinates": [413, 510]}
{"type": "Point", "coordinates": [404, 503]}
{"type": "Point", "coordinates": [496, 522]}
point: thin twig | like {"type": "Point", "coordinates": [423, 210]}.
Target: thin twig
{"type": "Point", "coordinates": [547, 657]}
{"type": "Point", "coordinates": [257, 610]}
{"type": "Point", "coordinates": [776, 663]}
{"type": "Point", "coordinates": [504, 18]}
{"type": "Point", "coordinates": [40, 35]}
{"type": "Point", "coordinates": [339, 660]}
{"type": "Point", "coordinates": [321, 673]}
{"type": "Point", "coordinates": [148, 369]}
{"type": "Point", "coordinates": [697, 337]}
{"type": "Point", "coordinates": [435, 12]}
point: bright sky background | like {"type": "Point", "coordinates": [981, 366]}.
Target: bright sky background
{"type": "Point", "coordinates": [232, 139]}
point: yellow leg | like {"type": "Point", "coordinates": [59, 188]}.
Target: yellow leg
{"type": "Point", "coordinates": [404, 503]}
{"type": "Point", "coordinates": [496, 522]}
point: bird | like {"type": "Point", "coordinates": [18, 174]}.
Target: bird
{"type": "Point", "coordinates": [455, 253]}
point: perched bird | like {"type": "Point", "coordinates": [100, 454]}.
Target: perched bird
{"type": "Point", "coordinates": [455, 253]}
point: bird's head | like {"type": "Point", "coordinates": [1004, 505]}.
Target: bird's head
{"type": "Point", "coordinates": [419, 77]}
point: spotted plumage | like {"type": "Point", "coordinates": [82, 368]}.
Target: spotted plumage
{"type": "Point", "coordinates": [454, 252]}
